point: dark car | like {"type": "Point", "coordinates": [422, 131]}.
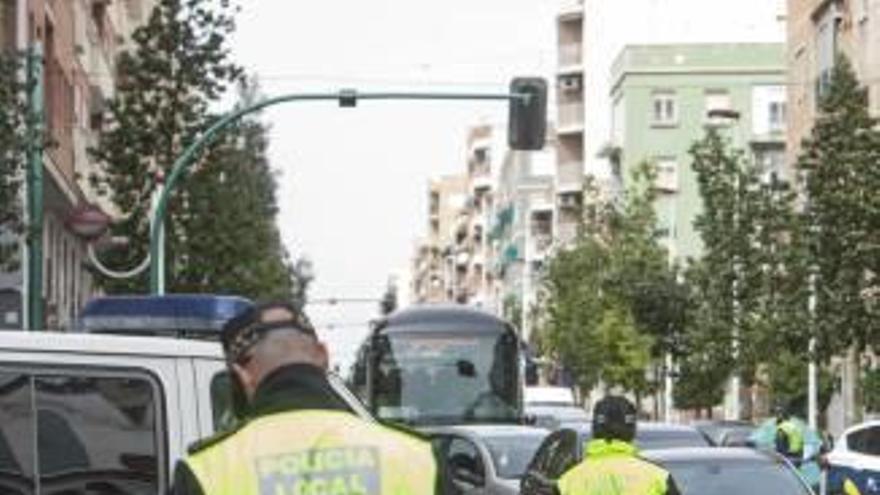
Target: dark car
{"type": "Point", "coordinates": [696, 470]}
{"type": "Point", "coordinates": [724, 433]}
{"type": "Point", "coordinates": [565, 447]}
{"type": "Point", "coordinates": [487, 459]}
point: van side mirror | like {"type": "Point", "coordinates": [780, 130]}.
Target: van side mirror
{"type": "Point", "coordinates": [527, 120]}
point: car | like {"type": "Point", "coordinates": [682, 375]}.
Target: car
{"type": "Point", "coordinates": [696, 470]}
{"type": "Point", "coordinates": [565, 447]}
{"type": "Point", "coordinates": [109, 413]}
{"type": "Point", "coordinates": [487, 459]}
{"type": "Point", "coordinates": [725, 433]}
{"type": "Point", "coordinates": [553, 407]}
{"type": "Point", "coordinates": [856, 457]}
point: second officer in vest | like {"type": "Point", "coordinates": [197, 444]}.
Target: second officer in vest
{"type": "Point", "coordinates": [611, 465]}
{"type": "Point", "coordinates": [298, 436]}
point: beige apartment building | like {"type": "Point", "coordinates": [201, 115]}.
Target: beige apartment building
{"type": "Point", "coordinates": [569, 177]}
{"type": "Point", "coordinates": [817, 31]}
{"type": "Point", "coordinates": [81, 40]}
{"type": "Point", "coordinates": [434, 274]}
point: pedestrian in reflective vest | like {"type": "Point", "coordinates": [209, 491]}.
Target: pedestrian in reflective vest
{"type": "Point", "coordinates": [789, 437]}
{"type": "Point", "coordinates": [611, 465]}
{"type": "Point", "coordinates": [298, 437]}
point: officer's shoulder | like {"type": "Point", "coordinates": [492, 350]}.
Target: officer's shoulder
{"type": "Point", "coordinates": [216, 438]}
{"type": "Point", "coordinates": [652, 463]}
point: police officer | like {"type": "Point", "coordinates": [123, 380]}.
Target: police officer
{"type": "Point", "coordinates": [611, 464]}
{"type": "Point", "coordinates": [789, 437]}
{"type": "Point", "coordinates": [298, 437]}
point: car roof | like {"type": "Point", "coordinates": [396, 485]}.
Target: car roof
{"type": "Point", "coordinates": [41, 342]}
{"type": "Point", "coordinates": [561, 395]}
{"type": "Point", "coordinates": [488, 430]}
{"type": "Point", "coordinates": [708, 453]}
{"type": "Point", "coordinates": [427, 317]}
{"type": "Point", "coordinates": [867, 424]}
{"type": "Point", "coordinates": [650, 426]}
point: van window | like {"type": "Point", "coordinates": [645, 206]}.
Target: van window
{"type": "Point", "coordinates": [221, 402]}
{"type": "Point", "coordinates": [16, 434]}
{"type": "Point", "coordinates": [95, 433]}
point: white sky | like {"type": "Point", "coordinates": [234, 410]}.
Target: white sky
{"type": "Point", "coordinates": [353, 185]}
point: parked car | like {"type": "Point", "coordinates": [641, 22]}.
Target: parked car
{"type": "Point", "coordinates": [723, 433]}
{"type": "Point", "coordinates": [856, 457]}
{"type": "Point", "coordinates": [653, 436]}
{"type": "Point", "coordinates": [695, 470]}
{"type": "Point", "coordinates": [487, 459]}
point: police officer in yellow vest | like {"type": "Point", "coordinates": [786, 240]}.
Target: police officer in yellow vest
{"type": "Point", "coordinates": [299, 437]}
{"type": "Point", "coordinates": [611, 465]}
{"type": "Point", "coordinates": [789, 437]}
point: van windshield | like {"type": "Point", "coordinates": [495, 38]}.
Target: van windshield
{"type": "Point", "coordinates": [442, 378]}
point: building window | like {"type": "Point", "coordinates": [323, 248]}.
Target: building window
{"type": "Point", "coordinates": [664, 108]}
{"type": "Point", "coordinates": [717, 100]}
{"type": "Point", "coordinates": [776, 119]}
{"type": "Point", "coordinates": [827, 32]}
{"type": "Point", "coordinates": [667, 174]}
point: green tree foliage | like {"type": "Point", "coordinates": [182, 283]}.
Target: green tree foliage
{"type": "Point", "coordinates": [839, 161]}
{"type": "Point", "coordinates": [612, 300]}
{"type": "Point", "coordinates": [220, 228]}
{"type": "Point", "coordinates": [233, 243]}
{"type": "Point", "coordinates": [13, 155]}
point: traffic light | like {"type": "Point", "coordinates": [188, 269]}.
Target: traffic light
{"type": "Point", "coordinates": [527, 121]}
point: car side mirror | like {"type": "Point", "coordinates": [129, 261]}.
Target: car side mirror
{"type": "Point", "coordinates": [530, 419]}
{"type": "Point", "coordinates": [466, 368]}
{"type": "Point", "coordinates": [527, 121]}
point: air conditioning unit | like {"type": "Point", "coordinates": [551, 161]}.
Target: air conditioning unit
{"type": "Point", "coordinates": [570, 83]}
{"type": "Point", "coordinates": [569, 201]}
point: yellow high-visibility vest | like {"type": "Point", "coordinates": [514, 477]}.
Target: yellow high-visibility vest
{"type": "Point", "coordinates": [795, 436]}
{"type": "Point", "coordinates": [613, 468]}
{"type": "Point", "coordinates": [315, 453]}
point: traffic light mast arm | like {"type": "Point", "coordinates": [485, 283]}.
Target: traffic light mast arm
{"type": "Point", "coordinates": [346, 98]}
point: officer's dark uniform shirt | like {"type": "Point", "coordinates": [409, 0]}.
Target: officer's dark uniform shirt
{"type": "Point", "coordinates": [296, 387]}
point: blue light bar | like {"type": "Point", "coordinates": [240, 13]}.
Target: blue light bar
{"type": "Point", "coordinates": [196, 315]}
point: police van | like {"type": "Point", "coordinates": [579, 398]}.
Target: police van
{"type": "Point", "coordinates": [112, 407]}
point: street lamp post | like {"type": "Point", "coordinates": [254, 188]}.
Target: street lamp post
{"type": "Point", "coordinates": [527, 127]}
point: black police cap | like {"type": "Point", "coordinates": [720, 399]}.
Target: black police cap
{"type": "Point", "coordinates": [244, 330]}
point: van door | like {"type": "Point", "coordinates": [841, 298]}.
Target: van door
{"type": "Point", "coordinates": [73, 423]}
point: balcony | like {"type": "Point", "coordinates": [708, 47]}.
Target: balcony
{"type": "Point", "coordinates": [570, 57]}
{"type": "Point", "coordinates": [570, 117]}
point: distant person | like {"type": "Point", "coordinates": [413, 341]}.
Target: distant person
{"type": "Point", "coordinates": [299, 437]}
{"type": "Point", "coordinates": [612, 464]}
{"type": "Point", "coordinates": [789, 437]}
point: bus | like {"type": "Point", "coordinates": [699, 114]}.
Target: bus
{"type": "Point", "coordinates": [436, 365]}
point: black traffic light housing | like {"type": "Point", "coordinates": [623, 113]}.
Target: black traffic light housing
{"type": "Point", "coordinates": [527, 122]}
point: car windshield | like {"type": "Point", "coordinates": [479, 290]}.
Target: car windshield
{"type": "Point", "coordinates": [425, 378]}
{"type": "Point", "coordinates": [669, 439]}
{"type": "Point", "coordinates": [701, 477]}
{"type": "Point", "coordinates": [511, 454]}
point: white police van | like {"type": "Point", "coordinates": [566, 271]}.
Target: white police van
{"type": "Point", "coordinates": [856, 458]}
{"type": "Point", "coordinates": [112, 408]}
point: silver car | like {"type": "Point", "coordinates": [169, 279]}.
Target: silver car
{"type": "Point", "coordinates": [487, 459]}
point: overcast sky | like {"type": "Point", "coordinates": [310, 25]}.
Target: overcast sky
{"type": "Point", "coordinates": [353, 188]}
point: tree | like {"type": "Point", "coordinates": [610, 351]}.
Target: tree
{"type": "Point", "coordinates": [607, 306]}
{"type": "Point", "coordinates": [841, 179]}
{"type": "Point", "coordinates": [13, 155]}
{"type": "Point", "coordinates": [233, 242]}
{"type": "Point", "coordinates": [180, 64]}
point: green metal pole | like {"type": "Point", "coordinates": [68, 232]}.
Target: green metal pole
{"type": "Point", "coordinates": [345, 98]}
{"type": "Point", "coordinates": [35, 186]}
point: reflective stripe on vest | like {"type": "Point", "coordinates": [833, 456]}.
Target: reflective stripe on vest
{"type": "Point", "coordinates": [315, 453]}
{"type": "Point", "coordinates": [614, 474]}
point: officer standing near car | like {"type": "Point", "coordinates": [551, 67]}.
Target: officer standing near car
{"type": "Point", "coordinates": [611, 465]}
{"type": "Point", "coordinates": [789, 437]}
{"type": "Point", "coordinates": [298, 436]}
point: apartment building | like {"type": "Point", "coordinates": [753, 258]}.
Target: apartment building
{"type": "Point", "coordinates": [81, 40]}
{"type": "Point", "coordinates": [589, 37]}
{"type": "Point", "coordinates": [819, 30]}
{"type": "Point", "coordinates": [661, 99]}
{"type": "Point", "coordinates": [434, 271]}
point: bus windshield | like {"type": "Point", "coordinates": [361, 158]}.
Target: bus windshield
{"type": "Point", "coordinates": [443, 378]}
